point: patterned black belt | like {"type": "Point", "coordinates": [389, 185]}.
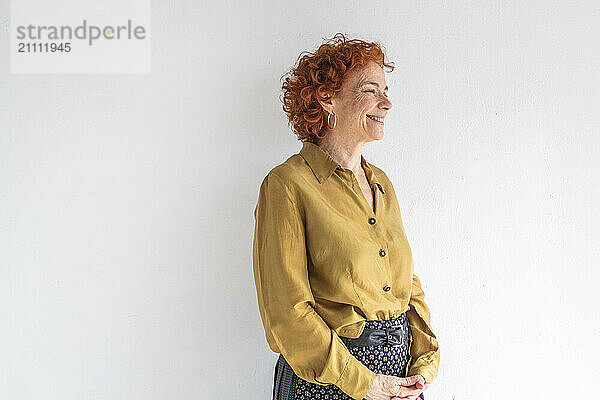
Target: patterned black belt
{"type": "Point", "coordinates": [389, 336]}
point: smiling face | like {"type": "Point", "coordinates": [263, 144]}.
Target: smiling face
{"type": "Point", "coordinates": [362, 104]}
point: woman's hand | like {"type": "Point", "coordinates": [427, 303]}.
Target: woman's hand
{"type": "Point", "coordinates": [386, 387]}
{"type": "Point", "coordinates": [420, 384]}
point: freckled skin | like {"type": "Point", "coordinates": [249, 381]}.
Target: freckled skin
{"type": "Point", "coordinates": [356, 100]}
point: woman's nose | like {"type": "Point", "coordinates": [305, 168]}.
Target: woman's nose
{"type": "Point", "coordinates": [385, 104]}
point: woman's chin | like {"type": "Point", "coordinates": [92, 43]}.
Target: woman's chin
{"type": "Point", "coordinates": [378, 135]}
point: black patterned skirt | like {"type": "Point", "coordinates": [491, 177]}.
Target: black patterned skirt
{"type": "Point", "coordinates": [388, 360]}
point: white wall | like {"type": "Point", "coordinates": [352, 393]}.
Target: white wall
{"type": "Point", "coordinates": [126, 200]}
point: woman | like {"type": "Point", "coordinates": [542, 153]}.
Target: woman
{"type": "Point", "coordinates": [332, 265]}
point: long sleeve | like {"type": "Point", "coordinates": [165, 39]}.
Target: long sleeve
{"type": "Point", "coordinates": [286, 303]}
{"type": "Point", "coordinates": [424, 351]}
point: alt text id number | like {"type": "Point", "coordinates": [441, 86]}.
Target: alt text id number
{"type": "Point", "coordinates": [44, 47]}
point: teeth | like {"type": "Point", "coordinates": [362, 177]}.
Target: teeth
{"type": "Point", "coordinates": [379, 119]}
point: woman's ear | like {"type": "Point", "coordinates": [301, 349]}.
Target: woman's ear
{"type": "Point", "coordinates": [327, 105]}
{"type": "Point", "coordinates": [326, 99]}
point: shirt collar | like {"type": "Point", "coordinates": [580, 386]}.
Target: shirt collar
{"type": "Point", "coordinates": [322, 165]}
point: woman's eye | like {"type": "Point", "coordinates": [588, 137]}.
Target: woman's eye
{"type": "Point", "coordinates": [373, 91]}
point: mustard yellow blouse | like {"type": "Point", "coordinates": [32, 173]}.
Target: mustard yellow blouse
{"type": "Point", "coordinates": [324, 262]}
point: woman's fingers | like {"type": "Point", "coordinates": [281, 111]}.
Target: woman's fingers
{"type": "Point", "coordinates": [409, 388]}
{"type": "Point", "coordinates": [383, 387]}
{"type": "Point", "coordinates": [406, 391]}
{"type": "Point", "coordinates": [399, 388]}
{"type": "Point", "coordinates": [420, 384]}
{"type": "Point", "coordinates": [409, 380]}
{"type": "Point", "coordinates": [407, 398]}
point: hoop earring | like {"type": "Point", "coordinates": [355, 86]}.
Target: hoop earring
{"type": "Point", "coordinates": [334, 120]}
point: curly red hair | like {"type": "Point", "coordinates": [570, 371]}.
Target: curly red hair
{"type": "Point", "coordinates": [319, 75]}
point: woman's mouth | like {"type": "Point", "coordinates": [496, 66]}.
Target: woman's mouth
{"type": "Point", "coordinates": [379, 120]}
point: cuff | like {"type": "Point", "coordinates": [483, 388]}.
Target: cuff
{"type": "Point", "coordinates": [356, 379]}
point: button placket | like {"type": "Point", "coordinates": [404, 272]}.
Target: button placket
{"type": "Point", "coordinates": [382, 253]}
{"type": "Point", "coordinates": [372, 221]}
